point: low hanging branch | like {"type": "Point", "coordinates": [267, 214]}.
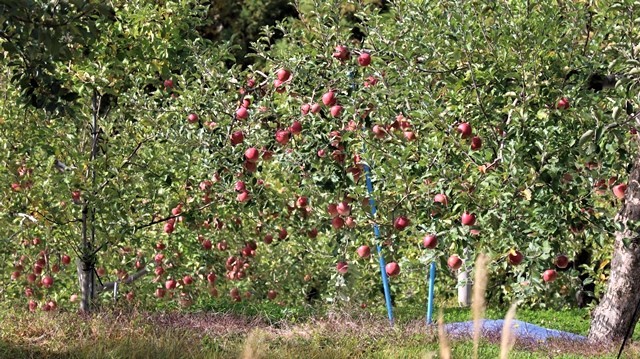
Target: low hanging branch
{"type": "Point", "coordinates": [128, 280]}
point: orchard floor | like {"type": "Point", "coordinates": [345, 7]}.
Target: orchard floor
{"type": "Point", "coordinates": [269, 332]}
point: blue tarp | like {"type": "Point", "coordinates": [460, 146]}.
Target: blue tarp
{"type": "Point", "coordinates": [521, 330]}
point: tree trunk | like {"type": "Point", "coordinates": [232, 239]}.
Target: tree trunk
{"type": "Point", "coordinates": [86, 280]}
{"type": "Point", "coordinates": [615, 313]}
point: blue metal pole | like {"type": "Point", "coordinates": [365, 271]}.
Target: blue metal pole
{"type": "Point", "coordinates": [376, 231]}
{"type": "Point", "coordinates": [432, 283]}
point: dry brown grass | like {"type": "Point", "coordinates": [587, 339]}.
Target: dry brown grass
{"type": "Point", "coordinates": [507, 339]}
{"type": "Point", "coordinates": [480, 280]}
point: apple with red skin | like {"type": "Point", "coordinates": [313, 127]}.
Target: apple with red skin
{"type": "Point", "coordinates": [549, 275]}
{"type": "Point", "coordinates": [379, 131]}
{"type": "Point", "coordinates": [563, 104]}
{"type": "Point", "coordinates": [47, 281]}
{"type": "Point", "coordinates": [305, 108]}
{"type": "Point", "coordinates": [160, 292]}
{"type": "Point", "coordinates": [465, 129]}
{"type": "Point", "coordinates": [302, 201]}
{"type": "Point", "coordinates": [476, 143]}
{"type": "Point", "coordinates": [329, 98]}
{"type": "Point", "coordinates": [170, 284]}
{"type": "Point", "coordinates": [619, 190]}
{"type": "Point", "coordinates": [343, 209]}
{"type": "Point", "coordinates": [409, 135]}
{"type": "Point", "coordinates": [392, 269]}
{"type": "Point", "coordinates": [454, 262]}
{"type": "Point", "coordinates": [430, 241]}
{"type": "Point", "coordinates": [211, 278]}
{"type": "Point", "coordinates": [268, 239]}
{"type": "Point", "coordinates": [364, 251]}
{"type": "Point", "coordinates": [341, 53]}
{"type": "Point", "coordinates": [364, 59]}
{"type": "Point", "coordinates": [222, 246]}
{"type": "Point", "coordinates": [31, 278]}
{"type": "Point", "coordinates": [332, 208]}
{"type": "Point", "coordinates": [168, 84]}
{"type": "Point", "coordinates": [342, 267]}
{"type": "Point", "coordinates": [192, 118]}
{"type": "Point", "coordinates": [158, 258]}
{"type": "Point", "coordinates": [75, 196]}
{"type": "Point", "coordinates": [468, 219]}
{"type": "Point", "coordinates": [337, 223]}
{"type": "Point", "coordinates": [158, 271]}
{"type": "Point", "coordinates": [252, 154]}
{"type": "Point", "coordinates": [237, 138]}
{"type": "Point", "coordinates": [283, 74]}
{"type": "Point", "coordinates": [168, 228]}
{"type": "Point", "coordinates": [400, 223]}
{"type": "Point", "coordinates": [242, 113]}
{"type": "Point", "coordinates": [187, 280]}
{"type": "Point", "coordinates": [441, 198]}
{"type": "Point", "coordinates": [279, 85]}
{"type": "Point", "coordinates": [33, 305]}
{"type": "Point", "coordinates": [282, 235]}
{"type": "Point", "coordinates": [282, 137]}
{"type": "Point", "coordinates": [296, 127]}
{"type": "Point", "coordinates": [15, 275]}
{"type": "Point", "coordinates": [272, 294]}
{"type": "Point", "coordinates": [315, 108]}
{"type": "Point", "coordinates": [207, 245]}
{"type": "Point", "coordinates": [562, 261]}
{"type": "Point", "coordinates": [515, 257]}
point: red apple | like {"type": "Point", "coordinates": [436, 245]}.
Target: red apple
{"type": "Point", "coordinates": [283, 74]}
{"type": "Point", "coordinates": [619, 190]}
{"type": "Point", "coordinates": [329, 98]}
{"type": "Point", "coordinates": [66, 259]}
{"type": "Point", "coordinates": [476, 143]}
{"type": "Point", "coordinates": [33, 305]}
{"type": "Point", "coordinates": [168, 228]}
{"type": "Point", "coordinates": [315, 108]}
{"type": "Point", "coordinates": [282, 137]}
{"type": "Point", "coordinates": [430, 241]}
{"type": "Point", "coordinates": [454, 262]}
{"type": "Point", "coordinates": [272, 294]}
{"type": "Point", "coordinates": [562, 261]}
{"type": "Point", "coordinates": [392, 269]}
{"type": "Point", "coordinates": [337, 223]}
{"type": "Point", "coordinates": [549, 275]}
{"type": "Point", "coordinates": [252, 154]}
{"type": "Point", "coordinates": [282, 235]}
{"type": "Point", "coordinates": [170, 284]}
{"type": "Point", "coordinates": [468, 219]}
{"type": "Point", "coordinates": [168, 83]}
{"type": "Point", "coordinates": [441, 198]}
{"type": "Point", "coordinates": [343, 209]}
{"type": "Point", "coordinates": [302, 201]}
{"type": "Point", "coordinates": [465, 129]}
{"type": "Point", "coordinates": [158, 271]}
{"type": "Point", "coordinates": [515, 257]}
{"type": "Point", "coordinates": [296, 127]}
{"type": "Point", "coordinates": [332, 208]}
{"type": "Point", "coordinates": [400, 223]}
{"type": "Point", "coordinates": [242, 113]}
{"type": "Point", "coordinates": [237, 138]}
{"type": "Point", "coordinates": [187, 280]}
{"type": "Point", "coordinates": [268, 239]}
{"type": "Point", "coordinates": [364, 251]}
{"type": "Point", "coordinates": [206, 244]}
{"type": "Point", "coordinates": [47, 281]}
{"type": "Point", "coordinates": [305, 108]}
{"type": "Point", "coordinates": [192, 118]}
{"type": "Point", "coordinates": [211, 278]}
{"type": "Point", "coordinates": [563, 104]}
{"type": "Point", "coordinates": [279, 85]}
{"type": "Point", "coordinates": [341, 53]}
{"type": "Point", "coordinates": [342, 267]}
{"type": "Point", "coordinates": [243, 196]}
{"type": "Point", "coordinates": [364, 59]}
{"type": "Point", "coordinates": [160, 292]}
{"type": "Point", "coordinates": [379, 131]}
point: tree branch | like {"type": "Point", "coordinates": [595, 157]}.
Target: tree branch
{"type": "Point", "coordinates": [130, 279]}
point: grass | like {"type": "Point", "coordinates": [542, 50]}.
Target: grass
{"type": "Point", "coordinates": [137, 334]}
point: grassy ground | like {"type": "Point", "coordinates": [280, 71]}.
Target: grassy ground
{"type": "Point", "coordinates": [268, 332]}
